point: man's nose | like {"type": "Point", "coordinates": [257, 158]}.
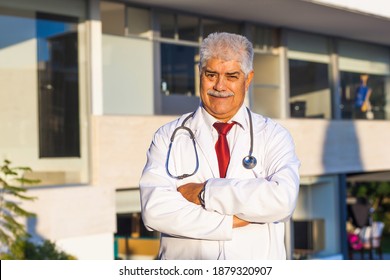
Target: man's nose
{"type": "Point", "coordinates": [220, 84]}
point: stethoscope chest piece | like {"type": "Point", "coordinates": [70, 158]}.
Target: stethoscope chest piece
{"type": "Point", "coordinates": [249, 162]}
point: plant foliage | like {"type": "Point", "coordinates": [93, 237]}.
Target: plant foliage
{"type": "Point", "coordinates": [23, 249]}
{"type": "Point", "coordinates": [378, 194]}
{"type": "Point", "coordinates": [12, 193]}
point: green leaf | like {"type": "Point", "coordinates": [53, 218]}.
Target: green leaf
{"type": "Point", "coordinates": [14, 227]}
{"type": "Point", "coordinates": [15, 189]}
{"type": "Point", "coordinates": [13, 207]}
{"type": "Point", "coordinates": [4, 237]}
{"type": "Point", "coordinates": [23, 168]}
{"type": "Point", "coordinates": [8, 171]}
{"type": "Point", "coordinates": [28, 181]}
{"type": "Point", "coordinates": [12, 180]}
{"type": "Point", "coordinates": [31, 198]}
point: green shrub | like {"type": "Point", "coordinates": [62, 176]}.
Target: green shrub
{"type": "Point", "coordinates": [23, 249]}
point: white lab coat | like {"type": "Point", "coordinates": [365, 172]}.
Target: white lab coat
{"type": "Point", "coordinates": [266, 195]}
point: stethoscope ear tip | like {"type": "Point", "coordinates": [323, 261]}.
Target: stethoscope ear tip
{"type": "Point", "coordinates": [249, 162]}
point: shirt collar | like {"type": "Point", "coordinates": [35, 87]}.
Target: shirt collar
{"type": "Point", "coordinates": [240, 117]}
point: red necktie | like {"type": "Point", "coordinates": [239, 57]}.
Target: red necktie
{"type": "Point", "coordinates": [222, 147]}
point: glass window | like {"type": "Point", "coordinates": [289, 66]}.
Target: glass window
{"type": "Point", "coordinates": [210, 26]}
{"type": "Point", "coordinates": [138, 21]}
{"type": "Point", "coordinates": [364, 72]}
{"type": "Point", "coordinates": [188, 27]}
{"type": "Point", "coordinates": [167, 24]}
{"type": "Point", "coordinates": [309, 89]}
{"type": "Point", "coordinates": [59, 131]}
{"type": "Point", "coordinates": [43, 94]}
{"type": "Point", "coordinates": [113, 18]}
{"type": "Point", "coordinates": [357, 87]}
{"type": "Point", "coordinates": [178, 69]}
{"type": "Point", "coordinates": [263, 38]}
{"type": "Point", "coordinates": [310, 94]}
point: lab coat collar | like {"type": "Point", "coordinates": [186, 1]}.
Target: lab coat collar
{"type": "Point", "coordinates": [201, 124]}
{"type": "Point", "coordinates": [241, 117]}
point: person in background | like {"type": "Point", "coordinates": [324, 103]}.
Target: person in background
{"type": "Point", "coordinates": [362, 99]}
{"type": "Point", "coordinates": [202, 187]}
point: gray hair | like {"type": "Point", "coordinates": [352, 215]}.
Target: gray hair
{"type": "Point", "coordinates": [227, 46]}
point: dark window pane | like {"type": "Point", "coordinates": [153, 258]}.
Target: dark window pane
{"type": "Point", "coordinates": [59, 131]}
{"type": "Point", "coordinates": [263, 38]}
{"type": "Point", "coordinates": [211, 26]}
{"type": "Point", "coordinates": [309, 89]}
{"type": "Point", "coordinates": [188, 27]}
{"type": "Point", "coordinates": [178, 69]}
{"type": "Point", "coordinates": [167, 25]}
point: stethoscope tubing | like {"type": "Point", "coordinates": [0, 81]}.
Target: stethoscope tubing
{"type": "Point", "coordinates": [249, 162]}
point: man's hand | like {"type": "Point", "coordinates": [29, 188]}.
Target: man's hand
{"type": "Point", "coordinates": [191, 191]}
{"type": "Point", "coordinates": [237, 222]}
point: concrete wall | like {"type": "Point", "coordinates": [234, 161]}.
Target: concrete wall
{"type": "Point", "coordinates": [79, 219]}
{"type": "Point", "coordinates": [119, 146]}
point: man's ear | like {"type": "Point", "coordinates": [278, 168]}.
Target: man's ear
{"type": "Point", "coordinates": [249, 79]}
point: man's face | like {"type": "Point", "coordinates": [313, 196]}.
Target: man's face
{"type": "Point", "coordinates": [222, 88]}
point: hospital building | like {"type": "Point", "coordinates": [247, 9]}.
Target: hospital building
{"type": "Point", "coordinates": [84, 84]}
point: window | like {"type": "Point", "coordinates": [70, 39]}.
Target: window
{"type": "Point", "coordinates": [355, 59]}
{"type": "Point", "coordinates": [188, 28]}
{"type": "Point", "coordinates": [309, 89]}
{"type": "Point", "coordinates": [310, 93]}
{"type": "Point", "coordinates": [210, 26]}
{"type": "Point", "coordinates": [350, 107]}
{"type": "Point", "coordinates": [178, 67]}
{"type": "Point", "coordinates": [167, 23]}
{"type": "Point", "coordinates": [263, 38]}
{"type": "Point", "coordinates": [43, 91]}
{"type": "Point", "coordinates": [58, 83]}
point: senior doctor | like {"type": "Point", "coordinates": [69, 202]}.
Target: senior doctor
{"type": "Point", "coordinates": [196, 189]}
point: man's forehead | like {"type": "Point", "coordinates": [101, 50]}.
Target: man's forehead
{"type": "Point", "coordinates": [219, 65]}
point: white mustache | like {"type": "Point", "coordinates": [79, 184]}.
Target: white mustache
{"type": "Point", "coordinates": [220, 93]}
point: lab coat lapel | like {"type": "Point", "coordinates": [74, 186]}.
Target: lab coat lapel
{"type": "Point", "coordinates": [204, 139]}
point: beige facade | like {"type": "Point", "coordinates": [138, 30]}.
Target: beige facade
{"type": "Point", "coordinates": [324, 147]}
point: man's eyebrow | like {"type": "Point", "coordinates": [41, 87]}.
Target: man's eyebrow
{"type": "Point", "coordinates": [227, 73]}
{"type": "Point", "coordinates": [233, 73]}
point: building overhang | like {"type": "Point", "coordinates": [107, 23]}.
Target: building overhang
{"type": "Point", "coordinates": [290, 14]}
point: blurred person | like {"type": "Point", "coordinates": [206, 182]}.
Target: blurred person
{"type": "Point", "coordinates": [220, 182]}
{"type": "Point", "coordinates": [362, 99]}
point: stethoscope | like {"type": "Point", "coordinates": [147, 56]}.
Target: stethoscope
{"type": "Point", "coordinates": [249, 162]}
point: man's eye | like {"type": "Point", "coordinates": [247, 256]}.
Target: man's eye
{"type": "Point", "coordinates": [232, 77]}
{"type": "Point", "coordinates": [210, 75]}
